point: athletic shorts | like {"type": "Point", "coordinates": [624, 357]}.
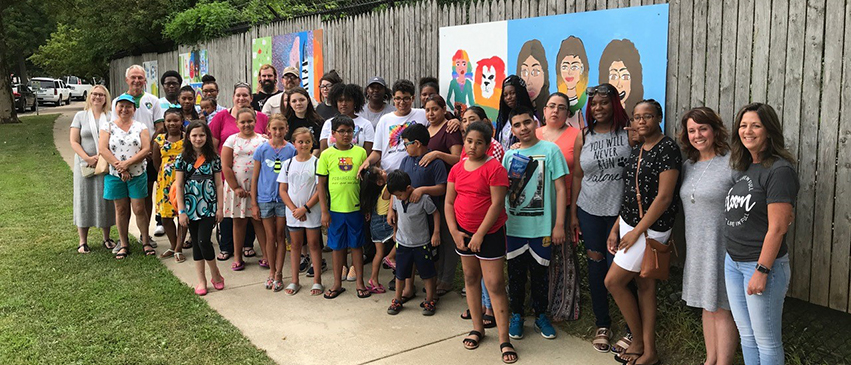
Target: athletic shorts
{"type": "Point", "coordinates": [135, 188]}
{"type": "Point", "coordinates": [493, 246]}
{"type": "Point", "coordinates": [540, 248]}
{"type": "Point", "coordinates": [345, 231]}
{"type": "Point", "coordinates": [408, 257]}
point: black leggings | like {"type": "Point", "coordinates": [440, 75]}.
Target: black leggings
{"type": "Point", "coordinates": [518, 267]}
{"type": "Point", "coordinates": [202, 246]}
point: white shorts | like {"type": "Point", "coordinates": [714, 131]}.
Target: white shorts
{"type": "Point", "coordinates": [631, 259]}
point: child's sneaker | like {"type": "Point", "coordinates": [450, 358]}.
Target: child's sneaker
{"type": "Point", "coordinates": [395, 307]}
{"type": "Point", "coordinates": [303, 264]}
{"type": "Point", "coordinates": [515, 326]}
{"type": "Point", "coordinates": [542, 324]}
{"type": "Point", "coordinates": [428, 308]}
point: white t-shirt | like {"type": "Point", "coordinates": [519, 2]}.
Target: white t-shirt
{"type": "Point", "coordinates": [374, 117]}
{"type": "Point", "coordinates": [301, 181]}
{"type": "Point", "coordinates": [364, 132]}
{"type": "Point", "coordinates": [388, 137]}
{"type": "Point", "coordinates": [148, 112]}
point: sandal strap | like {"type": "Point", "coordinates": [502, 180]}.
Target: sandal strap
{"type": "Point", "coordinates": [476, 333]}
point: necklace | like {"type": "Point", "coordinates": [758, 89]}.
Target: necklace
{"type": "Point", "coordinates": [694, 185]}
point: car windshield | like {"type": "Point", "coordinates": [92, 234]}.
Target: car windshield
{"type": "Point", "coordinates": [46, 84]}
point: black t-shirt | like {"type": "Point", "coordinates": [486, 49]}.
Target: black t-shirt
{"type": "Point", "coordinates": [664, 156]}
{"type": "Point", "coordinates": [257, 100]}
{"type": "Point", "coordinates": [326, 111]}
{"type": "Point", "coordinates": [746, 207]}
{"type": "Point", "coordinates": [296, 122]}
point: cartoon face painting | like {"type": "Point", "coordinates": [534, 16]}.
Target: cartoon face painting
{"type": "Point", "coordinates": [620, 65]}
{"type": "Point", "coordinates": [490, 73]}
{"type": "Point", "coordinates": [571, 68]}
{"type": "Point", "coordinates": [619, 78]}
{"type": "Point", "coordinates": [532, 72]}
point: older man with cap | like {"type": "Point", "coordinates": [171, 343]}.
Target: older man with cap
{"type": "Point", "coordinates": [377, 100]}
{"type": "Point", "coordinates": [150, 113]}
{"type": "Point", "coordinates": [278, 103]}
{"type": "Point", "coordinates": [268, 78]}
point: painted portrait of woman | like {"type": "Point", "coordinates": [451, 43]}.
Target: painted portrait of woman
{"type": "Point", "coordinates": [533, 69]}
{"type": "Point", "coordinates": [620, 65]}
{"type": "Point", "coordinates": [572, 68]}
{"type": "Point", "coordinates": [461, 87]}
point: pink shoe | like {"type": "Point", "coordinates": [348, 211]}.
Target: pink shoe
{"type": "Point", "coordinates": [201, 290]}
{"type": "Point", "coordinates": [375, 289]}
{"type": "Point", "coordinates": [220, 285]}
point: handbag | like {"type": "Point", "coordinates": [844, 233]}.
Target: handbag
{"type": "Point", "coordinates": [102, 166]}
{"type": "Point", "coordinates": [656, 263]}
{"type": "Point", "coordinates": [172, 190]}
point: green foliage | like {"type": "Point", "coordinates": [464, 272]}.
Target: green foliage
{"type": "Point", "coordinates": [202, 22]}
{"type": "Point", "coordinates": [63, 54]}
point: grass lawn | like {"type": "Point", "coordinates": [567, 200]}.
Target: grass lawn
{"type": "Point", "coordinates": [60, 307]}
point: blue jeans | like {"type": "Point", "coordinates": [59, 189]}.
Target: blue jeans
{"type": "Point", "coordinates": [758, 317]}
{"type": "Point", "coordinates": [595, 231]}
{"type": "Point", "coordinates": [486, 298]}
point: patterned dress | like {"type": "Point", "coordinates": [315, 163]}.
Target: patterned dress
{"type": "Point", "coordinates": [169, 152]}
{"type": "Point", "coordinates": [243, 167]}
{"type": "Point", "coordinates": [199, 187]}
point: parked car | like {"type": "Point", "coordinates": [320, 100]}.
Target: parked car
{"type": "Point", "coordinates": [80, 88]}
{"type": "Point", "coordinates": [24, 97]}
{"type": "Point", "coordinates": [52, 91]}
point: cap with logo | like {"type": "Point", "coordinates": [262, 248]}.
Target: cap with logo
{"type": "Point", "coordinates": [376, 80]}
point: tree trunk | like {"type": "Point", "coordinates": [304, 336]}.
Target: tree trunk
{"type": "Point", "coordinates": [8, 114]}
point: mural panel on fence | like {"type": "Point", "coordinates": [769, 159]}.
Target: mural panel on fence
{"type": "Point", "coordinates": [302, 50]}
{"type": "Point", "coordinates": [193, 66]}
{"type": "Point", "coordinates": [627, 48]}
{"type": "Point", "coordinates": [152, 77]}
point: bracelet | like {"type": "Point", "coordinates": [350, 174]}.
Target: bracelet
{"type": "Point", "coordinates": [181, 211]}
{"type": "Point", "coordinates": [307, 209]}
{"type": "Point", "coordinates": [762, 268]}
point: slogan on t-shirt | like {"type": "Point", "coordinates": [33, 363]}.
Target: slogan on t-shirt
{"type": "Point", "coordinates": [605, 154]}
{"type": "Point", "coordinates": [739, 202]}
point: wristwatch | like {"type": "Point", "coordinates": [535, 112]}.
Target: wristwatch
{"type": "Point", "coordinates": [181, 212]}
{"type": "Point", "coordinates": [761, 268]}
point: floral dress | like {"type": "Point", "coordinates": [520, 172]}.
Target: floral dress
{"type": "Point", "coordinates": [243, 167]}
{"type": "Point", "coordinates": [169, 152]}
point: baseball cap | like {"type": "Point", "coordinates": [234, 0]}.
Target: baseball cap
{"type": "Point", "coordinates": [290, 70]}
{"type": "Point", "coordinates": [376, 80]}
{"type": "Point", "coordinates": [126, 97]}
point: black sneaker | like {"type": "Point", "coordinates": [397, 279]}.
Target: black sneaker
{"type": "Point", "coordinates": [302, 266]}
{"type": "Point", "coordinates": [324, 265]}
{"type": "Point", "coordinates": [310, 272]}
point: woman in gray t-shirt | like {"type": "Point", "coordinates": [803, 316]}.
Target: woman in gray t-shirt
{"type": "Point", "coordinates": [707, 176]}
{"type": "Point", "coordinates": [758, 212]}
{"type": "Point", "coordinates": [600, 152]}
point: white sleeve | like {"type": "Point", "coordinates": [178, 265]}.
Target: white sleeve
{"type": "Point", "coordinates": [282, 176]}
{"type": "Point", "coordinates": [230, 141]}
{"type": "Point", "coordinates": [325, 133]}
{"type": "Point", "coordinates": [368, 131]}
{"type": "Point", "coordinates": [267, 108]}
{"type": "Point", "coordinates": [380, 136]}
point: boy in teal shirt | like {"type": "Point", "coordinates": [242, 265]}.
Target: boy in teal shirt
{"type": "Point", "coordinates": [536, 171]}
{"type": "Point", "coordinates": [337, 169]}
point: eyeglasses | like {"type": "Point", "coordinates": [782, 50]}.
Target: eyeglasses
{"type": "Point", "coordinates": [98, 95]}
{"type": "Point", "coordinates": [209, 90]}
{"type": "Point", "coordinates": [409, 143]}
{"type": "Point", "coordinates": [326, 86]}
{"type": "Point", "coordinates": [171, 84]}
{"type": "Point", "coordinates": [646, 117]}
{"type": "Point", "coordinates": [345, 131]}
{"type": "Point", "coordinates": [403, 99]}
{"type": "Point", "coordinates": [560, 108]}
{"type": "Point", "coordinates": [604, 90]}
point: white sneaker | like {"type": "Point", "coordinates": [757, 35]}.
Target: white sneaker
{"type": "Point", "coordinates": [352, 274]}
{"type": "Point", "coordinates": [345, 273]}
{"type": "Point", "coordinates": [159, 231]}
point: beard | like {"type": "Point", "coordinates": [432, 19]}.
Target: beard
{"type": "Point", "coordinates": [268, 86]}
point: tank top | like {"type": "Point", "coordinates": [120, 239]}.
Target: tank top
{"type": "Point", "coordinates": [602, 159]}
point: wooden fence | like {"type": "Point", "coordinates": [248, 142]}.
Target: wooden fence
{"type": "Point", "coordinates": [795, 55]}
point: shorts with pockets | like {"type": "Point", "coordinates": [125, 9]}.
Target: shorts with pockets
{"type": "Point", "coordinates": [380, 230]}
{"type": "Point", "coordinates": [345, 231]}
{"type": "Point", "coordinates": [408, 257]}
{"type": "Point", "coordinates": [135, 188]}
{"type": "Point", "coordinates": [272, 209]}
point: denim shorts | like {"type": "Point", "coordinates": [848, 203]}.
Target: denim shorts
{"type": "Point", "coordinates": [272, 209]}
{"type": "Point", "coordinates": [135, 188]}
{"type": "Point", "coordinates": [381, 231]}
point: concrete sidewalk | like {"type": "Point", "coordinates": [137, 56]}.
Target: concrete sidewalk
{"type": "Point", "coordinates": [304, 329]}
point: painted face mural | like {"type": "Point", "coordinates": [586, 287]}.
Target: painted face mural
{"type": "Point", "coordinates": [620, 65]}
{"type": "Point", "coordinates": [490, 73]}
{"type": "Point", "coordinates": [533, 69]}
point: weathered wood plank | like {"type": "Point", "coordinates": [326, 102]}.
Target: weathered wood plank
{"type": "Point", "coordinates": [561, 7]}
{"type": "Point", "coordinates": [684, 77]}
{"type": "Point", "coordinates": [761, 41]}
{"type": "Point", "coordinates": [744, 44]}
{"type": "Point", "coordinates": [777, 55]}
{"type": "Point", "coordinates": [714, 28]}
{"type": "Point", "coordinates": [836, 257]}
{"type": "Point", "coordinates": [698, 64]}
{"type": "Point", "coordinates": [842, 209]}
{"type": "Point", "coordinates": [673, 64]}
{"type": "Point", "coordinates": [813, 53]}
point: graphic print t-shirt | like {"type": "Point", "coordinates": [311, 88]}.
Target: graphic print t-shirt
{"type": "Point", "coordinates": [341, 168]}
{"type": "Point", "coordinates": [602, 159]}
{"type": "Point", "coordinates": [530, 202]}
{"type": "Point", "coordinates": [388, 137]}
{"type": "Point", "coordinates": [746, 207]}
{"type": "Point", "coordinates": [271, 163]}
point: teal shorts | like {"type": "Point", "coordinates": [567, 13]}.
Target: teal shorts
{"type": "Point", "coordinates": [135, 188]}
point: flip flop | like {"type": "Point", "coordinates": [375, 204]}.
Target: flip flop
{"type": "Point", "coordinates": [249, 252]}
{"type": "Point", "coordinates": [375, 289]}
{"type": "Point", "coordinates": [220, 285]}
{"type": "Point", "coordinates": [363, 293]}
{"type": "Point", "coordinates": [224, 256]}
{"type": "Point", "coordinates": [263, 263]}
{"type": "Point", "coordinates": [237, 266]}
{"type": "Point", "coordinates": [109, 244]}
{"type": "Point", "coordinates": [292, 289]}
{"type": "Point", "coordinates": [85, 247]}
{"type": "Point", "coordinates": [187, 244]}
{"type": "Point", "coordinates": [621, 360]}
{"type": "Point", "coordinates": [167, 253]}
{"type": "Point", "coordinates": [406, 299]}
{"type": "Point", "coordinates": [466, 315]}
{"type": "Point", "coordinates": [316, 289]}
{"type": "Point", "coordinates": [331, 294]}
{"type": "Point", "coordinates": [179, 257]}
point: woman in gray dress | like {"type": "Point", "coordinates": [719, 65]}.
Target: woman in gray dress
{"type": "Point", "coordinates": [707, 177]}
{"type": "Point", "coordinates": [90, 208]}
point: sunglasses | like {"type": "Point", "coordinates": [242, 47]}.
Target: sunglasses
{"type": "Point", "coordinates": [604, 90]}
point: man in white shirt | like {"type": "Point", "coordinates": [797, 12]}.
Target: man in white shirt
{"type": "Point", "coordinates": [171, 82]}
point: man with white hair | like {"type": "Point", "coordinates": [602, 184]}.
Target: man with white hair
{"type": "Point", "coordinates": [150, 113]}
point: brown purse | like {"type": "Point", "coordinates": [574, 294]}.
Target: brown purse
{"type": "Point", "coordinates": [656, 263]}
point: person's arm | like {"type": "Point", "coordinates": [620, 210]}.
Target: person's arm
{"type": "Point", "coordinates": [255, 175]}
{"type": "Point", "coordinates": [497, 205]}
{"type": "Point", "coordinates": [576, 184]}
{"type": "Point", "coordinates": [667, 184]}
{"type": "Point", "coordinates": [157, 156]}
{"type": "Point", "coordinates": [220, 197]}
{"type": "Point", "coordinates": [78, 148]}
{"type": "Point", "coordinates": [373, 158]}
{"type": "Point", "coordinates": [435, 236]}
{"type": "Point", "coordinates": [451, 223]}
{"type": "Point", "coordinates": [323, 200]}
{"type": "Point", "coordinates": [614, 237]}
{"type": "Point", "coordinates": [103, 147]}
{"type": "Point", "coordinates": [182, 217]}
{"type": "Point", "coordinates": [323, 144]}
{"type": "Point", "coordinates": [227, 170]}
{"type": "Point", "coordinates": [561, 204]}
{"type": "Point", "coordinates": [449, 158]}
{"type": "Point", "coordinates": [779, 219]}
{"type": "Point", "coordinates": [435, 190]}
{"type": "Point", "coordinates": [368, 147]}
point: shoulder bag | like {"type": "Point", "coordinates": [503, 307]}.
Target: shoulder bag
{"type": "Point", "coordinates": [656, 263]}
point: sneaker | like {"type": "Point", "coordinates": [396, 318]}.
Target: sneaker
{"type": "Point", "coordinates": [116, 248]}
{"type": "Point", "coordinates": [395, 307]}
{"type": "Point", "coordinates": [159, 231]}
{"type": "Point", "coordinates": [324, 265]}
{"type": "Point", "coordinates": [464, 292]}
{"type": "Point", "coordinates": [542, 325]}
{"type": "Point", "coordinates": [515, 326]}
{"type": "Point", "coordinates": [352, 276]}
{"type": "Point", "coordinates": [310, 272]}
{"type": "Point", "coordinates": [428, 308]}
{"type": "Point", "coordinates": [303, 264]}
{"type": "Point", "coordinates": [345, 273]}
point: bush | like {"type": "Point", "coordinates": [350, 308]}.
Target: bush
{"type": "Point", "coordinates": [202, 22]}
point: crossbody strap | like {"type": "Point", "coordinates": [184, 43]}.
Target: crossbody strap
{"type": "Point", "coordinates": [637, 190]}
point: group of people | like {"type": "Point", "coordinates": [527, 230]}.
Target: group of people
{"type": "Point", "coordinates": [417, 189]}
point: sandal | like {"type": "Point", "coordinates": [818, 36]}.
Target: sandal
{"type": "Point", "coordinates": [620, 357]}
{"type": "Point", "coordinates": [601, 340]}
{"type": "Point", "coordinates": [293, 288]}
{"type": "Point", "coordinates": [149, 251]}
{"type": "Point", "coordinates": [277, 285]}
{"type": "Point", "coordinates": [466, 315]}
{"type": "Point", "coordinates": [179, 257]}
{"type": "Point", "coordinates": [237, 266]}
{"type": "Point", "coordinates": [363, 293]}
{"type": "Point", "coordinates": [331, 294]}
{"type": "Point", "coordinates": [224, 256]}
{"type": "Point", "coordinates": [220, 285]}
{"type": "Point", "coordinates": [375, 289]}
{"type": "Point", "coordinates": [249, 252]}
{"type": "Point", "coordinates": [201, 290]}
{"type": "Point", "coordinates": [109, 244]}
{"type": "Point", "coordinates": [122, 253]}
{"type": "Point", "coordinates": [395, 307]}
{"type": "Point", "coordinates": [167, 253]}
{"type": "Point", "coordinates": [263, 263]}
{"type": "Point", "coordinates": [269, 283]}
{"type": "Point", "coordinates": [187, 245]}
{"type": "Point", "coordinates": [428, 308]}
{"type": "Point", "coordinates": [316, 289]}
{"type": "Point", "coordinates": [389, 264]}
{"type": "Point", "coordinates": [507, 354]}
{"type": "Point", "coordinates": [622, 344]}
{"type": "Point", "coordinates": [472, 344]}
{"type": "Point", "coordinates": [406, 299]}
{"type": "Point", "coordinates": [489, 321]}
{"type": "Point", "coordinates": [85, 247]}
